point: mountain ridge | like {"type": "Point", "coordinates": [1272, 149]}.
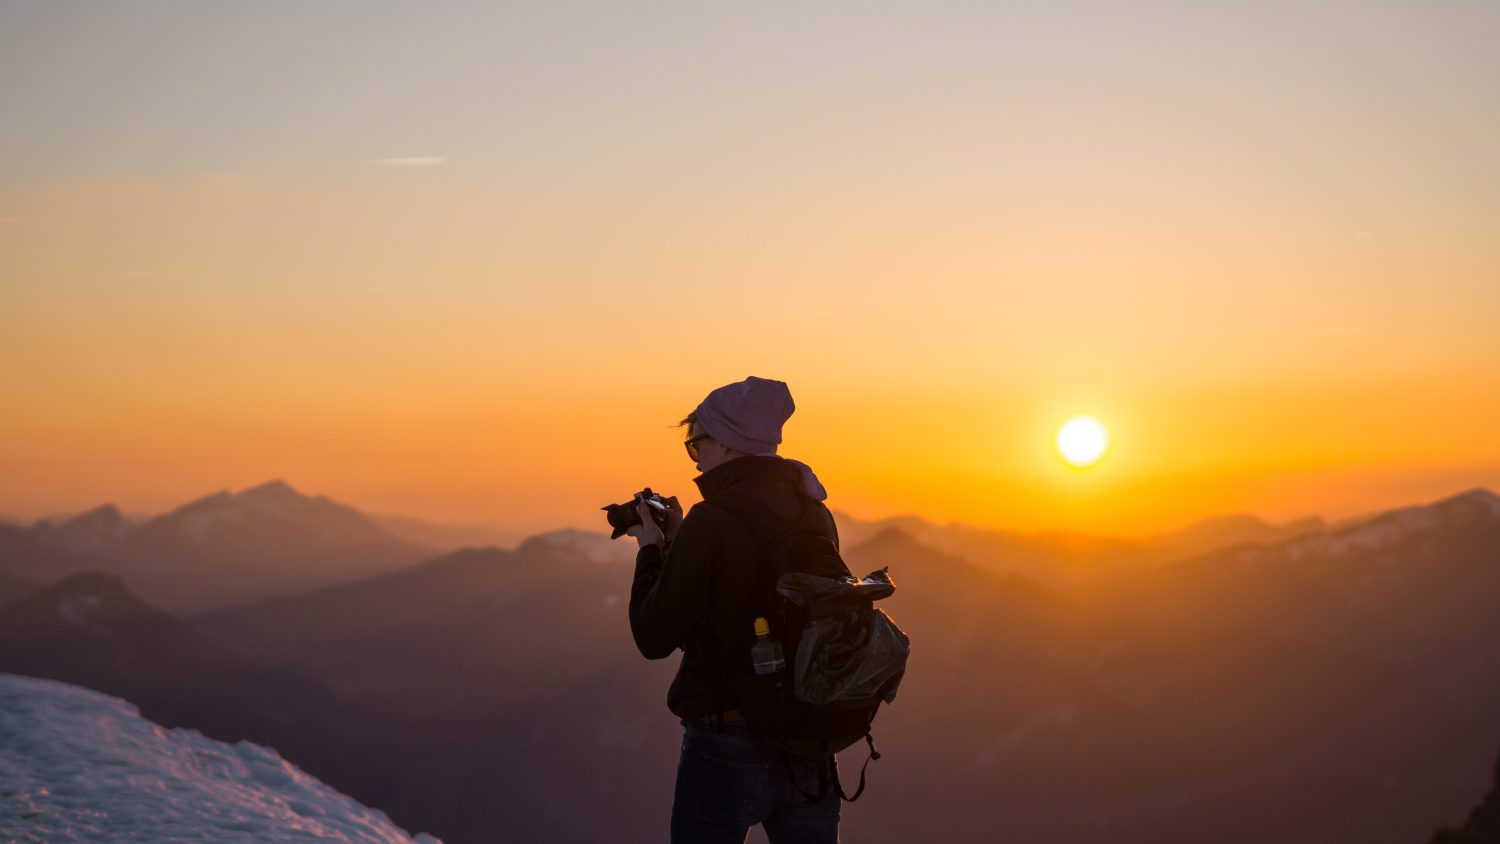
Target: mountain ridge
{"type": "Point", "coordinates": [224, 547]}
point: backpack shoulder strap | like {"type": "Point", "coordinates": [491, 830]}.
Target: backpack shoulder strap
{"type": "Point", "coordinates": [793, 538]}
{"type": "Point", "coordinates": [750, 511]}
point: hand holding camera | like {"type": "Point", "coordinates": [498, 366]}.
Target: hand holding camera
{"type": "Point", "coordinates": [648, 517]}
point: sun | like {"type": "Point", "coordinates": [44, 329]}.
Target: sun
{"type": "Point", "coordinates": [1082, 440]}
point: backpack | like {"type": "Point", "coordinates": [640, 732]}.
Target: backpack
{"type": "Point", "coordinates": [844, 658]}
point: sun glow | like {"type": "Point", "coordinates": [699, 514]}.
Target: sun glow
{"type": "Point", "coordinates": [1082, 440]}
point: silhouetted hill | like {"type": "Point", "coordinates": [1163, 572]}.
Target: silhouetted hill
{"type": "Point", "coordinates": [90, 630]}
{"type": "Point", "coordinates": [1414, 578]}
{"type": "Point", "coordinates": [1373, 643]}
{"type": "Point", "coordinates": [1483, 825]}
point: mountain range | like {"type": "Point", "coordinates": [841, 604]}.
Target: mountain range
{"type": "Point", "coordinates": [221, 549]}
{"type": "Point", "coordinates": [228, 548]}
{"type": "Point", "coordinates": [1328, 684]}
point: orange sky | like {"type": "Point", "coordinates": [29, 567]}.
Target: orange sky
{"type": "Point", "coordinates": [480, 286]}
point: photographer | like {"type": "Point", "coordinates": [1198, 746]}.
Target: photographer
{"type": "Point", "coordinates": [693, 591]}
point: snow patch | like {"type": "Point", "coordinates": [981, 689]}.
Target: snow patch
{"type": "Point", "coordinates": [1390, 528]}
{"type": "Point", "coordinates": [77, 766]}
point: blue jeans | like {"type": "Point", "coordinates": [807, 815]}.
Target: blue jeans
{"type": "Point", "coordinates": [728, 782]}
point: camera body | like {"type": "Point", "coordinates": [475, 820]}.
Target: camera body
{"type": "Point", "coordinates": [622, 517]}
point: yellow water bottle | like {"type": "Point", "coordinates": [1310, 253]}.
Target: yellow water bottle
{"type": "Point", "coordinates": [766, 654]}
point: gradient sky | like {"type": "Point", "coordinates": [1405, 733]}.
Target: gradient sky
{"type": "Point", "coordinates": [473, 263]}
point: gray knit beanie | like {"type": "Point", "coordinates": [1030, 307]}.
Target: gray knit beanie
{"type": "Point", "coordinates": [747, 415]}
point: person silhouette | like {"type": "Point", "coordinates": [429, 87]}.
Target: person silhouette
{"type": "Point", "coordinates": [692, 592]}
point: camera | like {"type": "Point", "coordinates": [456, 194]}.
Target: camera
{"type": "Point", "coordinates": [622, 517]}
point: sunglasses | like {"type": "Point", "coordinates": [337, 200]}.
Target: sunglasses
{"type": "Point", "coordinates": [692, 445]}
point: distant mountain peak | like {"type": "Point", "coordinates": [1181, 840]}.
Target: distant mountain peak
{"type": "Point", "coordinates": [893, 535]}
{"type": "Point", "coordinates": [892, 541]}
{"type": "Point", "coordinates": [272, 489]}
{"type": "Point", "coordinates": [106, 516]}
{"type": "Point", "coordinates": [1479, 496]}
{"type": "Point", "coordinates": [89, 533]}
{"type": "Point", "coordinates": [89, 600]}
{"type": "Point", "coordinates": [275, 496]}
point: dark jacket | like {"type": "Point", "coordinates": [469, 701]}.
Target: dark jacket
{"type": "Point", "coordinates": [697, 594]}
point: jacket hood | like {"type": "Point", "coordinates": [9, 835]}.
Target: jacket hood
{"type": "Point", "coordinates": [762, 469]}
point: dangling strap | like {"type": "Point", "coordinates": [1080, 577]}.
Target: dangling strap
{"type": "Point", "coordinates": [826, 768]}
{"type": "Point", "coordinates": [874, 754]}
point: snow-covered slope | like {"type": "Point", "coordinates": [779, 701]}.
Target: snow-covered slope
{"type": "Point", "coordinates": [1477, 506]}
{"type": "Point", "coordinates": [80, 766]}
